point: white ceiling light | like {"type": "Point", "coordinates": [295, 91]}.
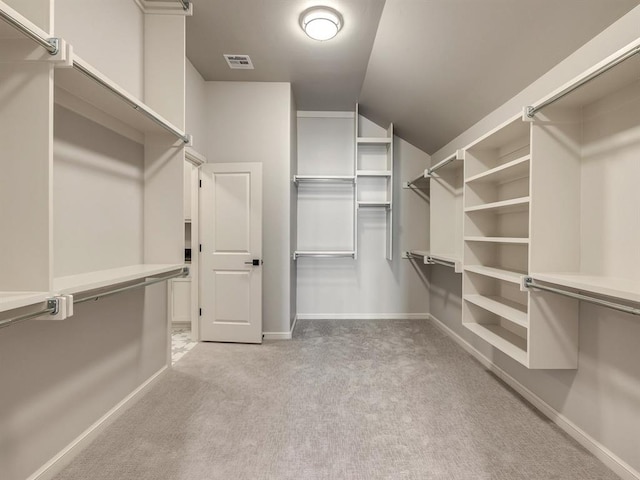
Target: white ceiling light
{"type": "Point", "coordinates": [321, 23]}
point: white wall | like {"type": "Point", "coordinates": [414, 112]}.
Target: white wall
{"type": "Point", "coordinates": [196, 113]}
{"type": "Point", "coordinates": [370, 286]}
{"type": "Point", "coordinates": [251, 122]}
{"type": "Point", "coordinates": [91, 26]}
{"type": "Point", "coordinates": [602, 397]}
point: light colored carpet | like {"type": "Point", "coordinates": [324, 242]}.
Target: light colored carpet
{"type": "Point", "coordinates": [342, 400]}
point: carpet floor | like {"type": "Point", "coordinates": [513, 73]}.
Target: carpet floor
{"type": "Point", "coordinates": [342, 400]}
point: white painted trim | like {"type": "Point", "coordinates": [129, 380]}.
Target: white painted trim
{"type": "Point", "coordinates": [281, 335]}
{"type": "Point", "coordinates": [309, 114]}
{"type": "Point", "coordinates": [164, 8]}
{"type": "Point", "coordinates": [194, 156]}
{"type": "Point", "coordinates": [276, 335]}
{"type": "Point", "coordinates": [606, 456]}
{"type": "Point", "coordinates": [363, 316]}
{"type": "Point", "coordinates": [67, 454]}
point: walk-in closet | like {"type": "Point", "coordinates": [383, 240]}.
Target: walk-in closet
{"type": "Point", "coordinates": [319, 239]}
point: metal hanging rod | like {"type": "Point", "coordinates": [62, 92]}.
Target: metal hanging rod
{"type": "Point", "coordinates": [528, 283]}
{"type": "Point", "coordinates": [185, 4]}
{"type": "Point", "coordinates": [323, 179]}
{"type": "Point", "coordinates": [182, 273]}
{"type": "Point", "coordinates": [52, 45]}
{"type": "Point", "coordinates": [141, 108]}
{"type": "Point", "coordinates": [533, 109]}
{"type": "Point", "coordinates": [297, 255]}
{"type": "Point", "coordinates": [441, 262]}
{"type": "Point", "coordinates": [52, 308]}
{"type": "Point", "coordinates": [456, 156]}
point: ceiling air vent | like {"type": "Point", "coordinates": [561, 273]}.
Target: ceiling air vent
{"type": "Point", "coordinates": [239, 61]}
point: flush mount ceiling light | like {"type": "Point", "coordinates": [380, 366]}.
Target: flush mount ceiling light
{"type": "Point", "coordinates": [321, 23]}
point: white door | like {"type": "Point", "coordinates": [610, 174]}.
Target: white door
{"type": "Point", "coordinates": [231, 258]}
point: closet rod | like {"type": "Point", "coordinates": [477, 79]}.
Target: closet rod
{"type": "Point", "coordinates": [182, 273]}
{"type": "Point", "coordinates": [441, 262]}
{"type": "Point", "coordinates": [444, 162]}
{"type": "Point", "coordinates": [528, 282]}
{"type": "Point", "coordinates": [52, 45]}
{"type": "Point", "coordinates": [52, 308]}
{"type": "Point", "coordinates": [533, 109]}
{"type": "Point", "coordinates": [296, 255]}
{"type": "Point", "coordinates": [141, 108]}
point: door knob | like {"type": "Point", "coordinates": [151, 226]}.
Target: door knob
{"type": "Point", "coordinates": [256, 262]}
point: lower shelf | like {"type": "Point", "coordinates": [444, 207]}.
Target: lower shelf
{"type": "Point", "coordinates": [512, 311]}
{"type": "Point", "coordinates": [84, 282]}
{"type": "Point", "coordinates": [324, 254]}
{"type": "Point", "coordinates": [501, 338]}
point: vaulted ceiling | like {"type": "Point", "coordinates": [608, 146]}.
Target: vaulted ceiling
{"type": "Point", "coordinates": [433, 67]}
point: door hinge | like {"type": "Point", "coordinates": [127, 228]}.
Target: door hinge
{"type": "Point", "coordinates": [200, 183]}
{"type": "Point", "coordinates": [200, 247]}
{"type": "Point", "coordinates": [200, 313]}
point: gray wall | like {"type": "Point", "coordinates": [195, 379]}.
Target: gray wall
{"type": "Point", "coordinates": [251, 122]}
{"type": "Point", "coordinates": [602, 397]}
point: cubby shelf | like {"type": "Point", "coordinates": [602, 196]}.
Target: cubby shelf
{"type": "Point", "coordinates": [509, 171]}
{"type": "Point", "coordinates": [504, 206]}
{"type": "Point", "coordinates": [497, 273]}
{"type": "Point", "coordinates": [621, 288]}
{"type": "Point", "coordinates": [516, 240]}
{"type": "Point", "coordinates": [501, 338]}
{"type": "Point", "coordinates": [512, 311]}
{"type": "Point", "coordinates": [104, 278]}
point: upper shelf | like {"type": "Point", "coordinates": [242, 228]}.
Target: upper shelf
{"type": "Point", "coordinates": [88, 84]}
{"type": "Point", "coordinates": [621, 288]}
{"type": "Point", "coordinates": [373, 173]}
{"type": "Point", "coordinates": [11, 300]}
{"type": "Point", "coordinates": [506, 172]}
{"type": "Point", "coordinates": [84, 282]}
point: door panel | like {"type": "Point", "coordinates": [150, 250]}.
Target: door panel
{"type": "Point", "coordinates": [231, 226]}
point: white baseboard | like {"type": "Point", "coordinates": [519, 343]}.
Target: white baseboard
{"type": "Point", "coordinates": [281, 335]}
{"type": "Point", "coordinates": [67, 454]}
{"type": "Point", "coordinates": [363, 316]}
{"type": "Point", "coordinates": [615, 463]}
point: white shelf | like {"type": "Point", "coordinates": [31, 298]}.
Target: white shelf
{"type": "Point", "coordinates": [517, 240]}
{"type": "Point", "coordinates": [621, 288]}
{"type": "Point", "coordinates": [420, 253]}
{"type": "Point", "coordinates": [104, 278]}
{"type": "Point", "coordinates": [373, 173]}
{"type": "Point", "coordinates": [373, 140]}
{"type": "Point", "coordinates": [512, 311]}
{"type": "Point", "coordinates": [512, 170]}
{"type": "Point", "coordinates": [455, 260]}
{"type": "Point", "coordinates": [79, 85]}
{"type": "Point", "coordinates": [11, 300]}
{"type": "Point", "coordinates": [324, 253]}
{"type": "Point", "coordinates": [505, 206]}
{"type": "Point", "coordinates": [497, 273]}
{"type": "Point", "coordinates": [374, 204]}
{"type": "Point", "coordinates": [505, 341]}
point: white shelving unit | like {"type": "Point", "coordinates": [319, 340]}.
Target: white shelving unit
{"type": "Point", "coordinates": [80, 147]}
{"type": "Point", "coordinates": [497, 240]}
{"type": "Point", "coordinates": [327, 206]}
{"type": "Point", "coordinates": [374, 177]}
